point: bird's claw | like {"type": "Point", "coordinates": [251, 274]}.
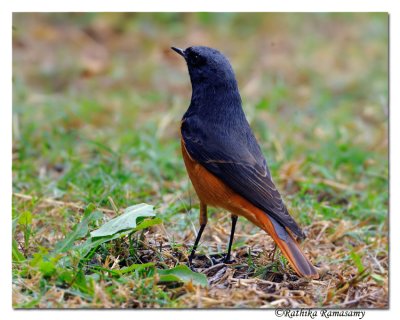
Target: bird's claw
{"type": "Point", "coordinates": [222, 259]}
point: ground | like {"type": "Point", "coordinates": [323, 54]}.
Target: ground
{"type": "Point", "coordinates": [97, 100]}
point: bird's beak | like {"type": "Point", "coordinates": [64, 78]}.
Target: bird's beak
{"type": "Point", "coordinates": [179, 51]}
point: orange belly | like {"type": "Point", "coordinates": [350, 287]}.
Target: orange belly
{"type": "Point", "coordinates": [213, 192]}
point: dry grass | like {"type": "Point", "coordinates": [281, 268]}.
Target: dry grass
{"type": "Point", "coordinates": [255, 280]}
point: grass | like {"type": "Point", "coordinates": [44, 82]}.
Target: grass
{"type": "Point", "coordinates": [97, 100]}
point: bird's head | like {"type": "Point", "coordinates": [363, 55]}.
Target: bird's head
{"type": "Point", "coordinates": [207, 66]}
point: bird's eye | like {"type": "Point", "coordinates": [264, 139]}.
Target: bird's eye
{"type": "Point", "coordinates": [197, 60]}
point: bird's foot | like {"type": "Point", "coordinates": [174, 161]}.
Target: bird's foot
{"type": "Point", "coordinates": [189, 263]}
{"type": "Point", "coordinates": [197, 261]}
{"type": "Point", "coordinates": [229, 261]}
{"type": "Point", "coordinates": [191, 266]}
{"type": "Point", "coordinates": [222, 259]}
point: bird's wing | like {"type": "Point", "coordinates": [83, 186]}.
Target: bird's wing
{"type": "Point", "coordinates": [236, 159]}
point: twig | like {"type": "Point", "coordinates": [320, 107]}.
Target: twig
{"type": "Point", "coordinates": [59, 203]}
{"type": "Point", "coordinates": [213, 267]}
{"type": "Point", "coordinates": [354, 300]}
{"type": "Point", "coordinates": [378, 264]}
{"type": "Point", "coordinates": [326, 225]}
{"type": "Point", "coordinates": [116, 210]}
{"type": "Point", "coordinates": [217, 276]}
{"type": "Point", "coordinates": [256, 281]}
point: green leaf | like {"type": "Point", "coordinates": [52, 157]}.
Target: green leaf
{"type": "Point", "coordinates": [16, 254]}
{"type": "Point", "coordinates": [357, 260]}
{"type": "Point", "coordinates": [38, 256]}
{"type": "Point", "coordinates": [99, 268]}
{"type": "Point", "coordinates": [30, 304]}
{"type": "Point", "coordinates": [47, 268]}
{"type": "Point", "coordinates": [66, 276]}
{"type": "Point", "coordinates": [136, 267]}
{"type": "Point", "coordinates": [125, 221]}
{"type": "Point", "coordinates": [91, 243]}
{"type": "Point", "coordinates": [148, 223]}
{"type": "Point", "coordinates": [83, 283]}
{"type": "Point", "coordinates": [14, 225]}
{"type": "Point", "coordinates": [80, 230]}
{"type": "Point", "coordinates": [94, 242]}
{"type": "Point", "coordinates": [25, 218]}
{"type": "Point", "coordinates": [182, 273]}
{"type": "Point", "coordinates": [377, 278]}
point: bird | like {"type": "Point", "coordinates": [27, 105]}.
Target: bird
{"type": "Point", "coordinates": [224, 160]}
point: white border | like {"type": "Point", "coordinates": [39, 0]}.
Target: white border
{"type": "Point", "coordinates": [6, 9]}
{"type": "Point", "coordinates": [204, 5]}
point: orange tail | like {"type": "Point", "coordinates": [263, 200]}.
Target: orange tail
{"type": "Point", "coordinates": [288, 246]}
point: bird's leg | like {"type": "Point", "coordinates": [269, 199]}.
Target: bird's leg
{"type": "Point", "coordinates": [228, 255]}
{"type": "Point", "coordinates": [203, 222]}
